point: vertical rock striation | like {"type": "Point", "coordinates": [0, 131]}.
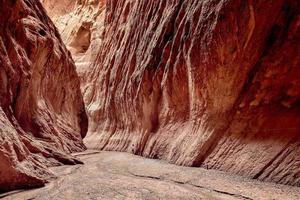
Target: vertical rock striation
{"type": "Point", "coordinates": [201, 83]}
{"type": "Point", "coordinates": [198, 83]}
{"type": "Point", "coordinates": [42, 115]}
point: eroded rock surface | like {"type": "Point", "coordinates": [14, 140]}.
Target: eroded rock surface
{"type": "Point", "coordinates": [121, 176]}
{"type": "Point", "coordinates": [42, 115]}
{"type": "Point", "coordinates": [199, 83]}
{"type": "Point", "coordinates": [81, 25]}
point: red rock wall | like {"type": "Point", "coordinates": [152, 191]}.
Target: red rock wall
{"type": "Point", "coordinates": [200, 83]}
{"type": "Point", "coordinates": [42, 115]}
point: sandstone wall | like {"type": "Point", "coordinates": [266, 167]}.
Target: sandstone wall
{"type": "Point", "coordinates": [81, 25]}
{"type": "Point", "coordinates": [198, 83]}
{"type": "Point", "coordinates": [201, 83]}
{"type": "Point", "coordinates": [42, 115]}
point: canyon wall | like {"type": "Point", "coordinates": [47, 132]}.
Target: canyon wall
{"type": "Point", "coordinates": [198, 83]}
{"type": "Point", "coordinates": [42, 115]}
{"type": "Point", "coordinates": [81, 24]}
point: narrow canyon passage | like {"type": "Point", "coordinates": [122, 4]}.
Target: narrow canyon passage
{"type": "Point", "coordinates": [149, 99]}
{"type": "Point", "coordinates": [211, 84]}
{"type": "Point", "coordinates": [113, 175]}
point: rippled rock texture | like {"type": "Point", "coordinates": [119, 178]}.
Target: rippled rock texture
{"type": "Point", "coordinates": [42, 115]}
{"type": "Point", "coordinates": [199, 83]}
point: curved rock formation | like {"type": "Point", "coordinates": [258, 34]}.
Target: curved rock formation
{"type": "Point", "coordinates": [42, 115]}
{"type": "Point", "coordinates": [80, 24]}
{"type": "Point", "coordinates": [199, 83]}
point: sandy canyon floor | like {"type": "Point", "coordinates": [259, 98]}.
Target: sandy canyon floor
{"type": "Point", "coordinates": [113, 175]}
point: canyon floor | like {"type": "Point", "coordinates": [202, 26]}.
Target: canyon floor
{"type": "Point", "coordinates": [114, 175]}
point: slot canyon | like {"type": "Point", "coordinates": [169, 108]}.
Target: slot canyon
{"type": "Point", "coordinates": [146, 99]}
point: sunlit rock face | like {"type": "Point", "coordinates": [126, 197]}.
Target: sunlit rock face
{"type": "Point", "coordinates": [198, 83]}
{"type": "Point", "coordinates": [42, 115]}
{"type": "Point", "coordinates": [80, 23]}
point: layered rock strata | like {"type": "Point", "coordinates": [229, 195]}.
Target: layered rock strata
{"type": "Point", "coordinates": [42, 115]}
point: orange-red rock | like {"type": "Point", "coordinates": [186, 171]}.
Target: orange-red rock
{"type": "Point", "coordinates": [80, 24]}
{"type": "Point", "coordinates": [200, 83]}
{"type": "Point", "coordinates": [42, 115]}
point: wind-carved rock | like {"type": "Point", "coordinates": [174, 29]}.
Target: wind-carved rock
{"type": "Point", "coordinates": [42, 115]}
{"type": "Point", "coordinates": [80, 24]}
{"type": "Point", "coordinates": [198, 83]}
